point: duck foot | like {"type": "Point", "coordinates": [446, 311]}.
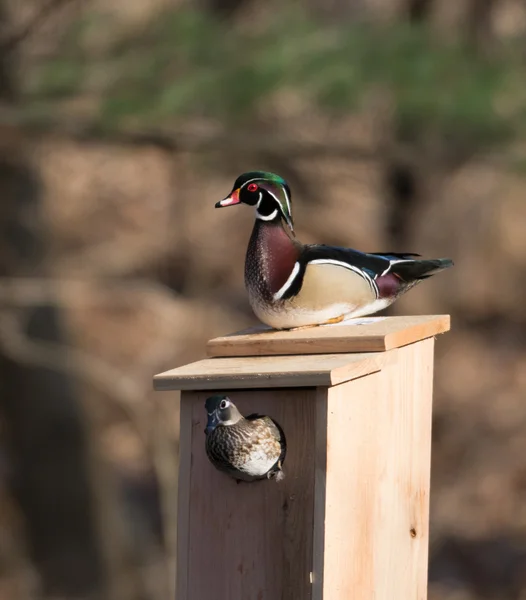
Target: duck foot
{"type": "Point", "coordinates": [303, 327]}
{"type": "Point", "coordinates": [329, 322]}
{"type": "Point", "coordinates": [335, 320]}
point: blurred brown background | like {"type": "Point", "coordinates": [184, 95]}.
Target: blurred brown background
{"type": "Point", "coordinates": [399, 125]}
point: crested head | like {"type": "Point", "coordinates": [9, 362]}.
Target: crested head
{"type": "Point", "coordinates": [221, 411]}
{"type": "Point", "coordinates": [261, 176]}
{"type": "Point", "coordinates": [268, 192]}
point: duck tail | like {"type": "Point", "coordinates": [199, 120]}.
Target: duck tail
{"type": "Point", "coordinates": [411, 270]}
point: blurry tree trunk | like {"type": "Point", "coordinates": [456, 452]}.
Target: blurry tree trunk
{"type": "Point", "coordinates": [6, 82]}
{"type": "Point", "coordinates": [406, 179]}
{"type": "Point", "coordinates": [47, 443]}
{"type": "Point", "coordinates": [402, 191]}
{"type": "Point", "coordinates": [419, 11]}
{"type": "Point", "coordinates": [480, 22]}
{"type": "Point", "coordinates": [335, 10]}
{"type": "Point", "coordinates": [220, 8]}
{"type": "Point", "coordinates": [47, 440]}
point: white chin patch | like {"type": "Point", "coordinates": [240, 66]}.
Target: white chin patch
{"type": "Point", "coordinates": [270, 217]}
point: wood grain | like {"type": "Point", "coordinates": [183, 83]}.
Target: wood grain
{"type": "Point", "coordinates": [376, 482]}
{"type": "Point", "coordinates": [247, 541]}
{"type": "Point", "coordinates": [270, 371]}
{"type": "Point", "coordinates": [183, 498]}
{"type": "Point", "coordinates": [382, 334]}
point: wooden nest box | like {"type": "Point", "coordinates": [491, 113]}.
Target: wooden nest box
{"type": "Point", "coordinates": [350, 521]}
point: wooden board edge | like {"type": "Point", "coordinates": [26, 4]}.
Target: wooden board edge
{"type": "Point", "coordinates": [418, 332]}
{"type": "Point", "coordinates": [183, 495]}
{"type": "Point", "coordinates": [376, 362]}
{"type": "Point", "coordinates": [165, 384]}
{"type": "Point", "coordinates": [320, 496]}
{"type": "Point", "coordinates": [369, 362]}
{"type": "Point", "coordinates": [221, 349]}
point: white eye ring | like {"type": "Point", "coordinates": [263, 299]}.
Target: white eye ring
{"type": "Point", "coordinates": [223, 404]}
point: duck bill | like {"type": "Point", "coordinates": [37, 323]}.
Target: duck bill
{"type": "Point", "coordinates": [229, 200]}
{"type": "Point", "coordinates": [212, 423]}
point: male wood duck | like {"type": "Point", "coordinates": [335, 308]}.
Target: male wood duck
{"type": "Point", "coordinates": [246, 448]}
{"type": "Point", "coordinates": [293, 285]}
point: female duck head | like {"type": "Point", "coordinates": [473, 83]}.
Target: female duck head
{"type": "Point", "coordinates": [221, 411]}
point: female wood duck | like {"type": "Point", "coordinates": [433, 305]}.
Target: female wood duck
{"type": "Point", "coordinates": [246, 448]}
{"type": "Point", "coordinates": [292, 285]}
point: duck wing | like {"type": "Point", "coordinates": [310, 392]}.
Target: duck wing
{"type": "Point", "coordinates": [387, 273]}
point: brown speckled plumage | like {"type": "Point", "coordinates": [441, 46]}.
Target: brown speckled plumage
{"type": "Point", "coordinates": [248, 448]}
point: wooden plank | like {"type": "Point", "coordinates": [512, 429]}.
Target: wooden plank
{"type": "Point", "coordinates": [376, 488]}
{"type": "Point", "coordinates": [320, 488]}
{"type": "Point", "coordinates": [183, 499]}
{"type": "Point", "coordinates": [250, 541]}
{"type": "Point", "coordinates": [373, 334]}
{"type": "Point", "coordinates": [270, 371]}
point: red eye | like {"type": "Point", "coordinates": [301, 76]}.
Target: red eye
{"type": "Point", "coordinates": [252, 187]}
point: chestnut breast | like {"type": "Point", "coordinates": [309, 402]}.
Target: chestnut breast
{"type": "Point", "coordinates": [271, 256]}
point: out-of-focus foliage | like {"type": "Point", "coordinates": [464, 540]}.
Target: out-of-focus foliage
{"type": "Point", "coordinates": [123, 128]}
{"type": "Point", "coordinates": [166, 72]}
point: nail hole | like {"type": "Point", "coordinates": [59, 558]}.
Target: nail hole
{"type": "Point", "coordinates": [412, 532]}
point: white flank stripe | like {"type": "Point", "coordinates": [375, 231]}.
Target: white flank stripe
{"type": "Point", "coordinates": [279, 294]}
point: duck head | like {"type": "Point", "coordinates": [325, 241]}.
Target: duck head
{"type": "Point", "coordinates": [269, 193]}
{"type": "Point", "coordinates": [221, 411]}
